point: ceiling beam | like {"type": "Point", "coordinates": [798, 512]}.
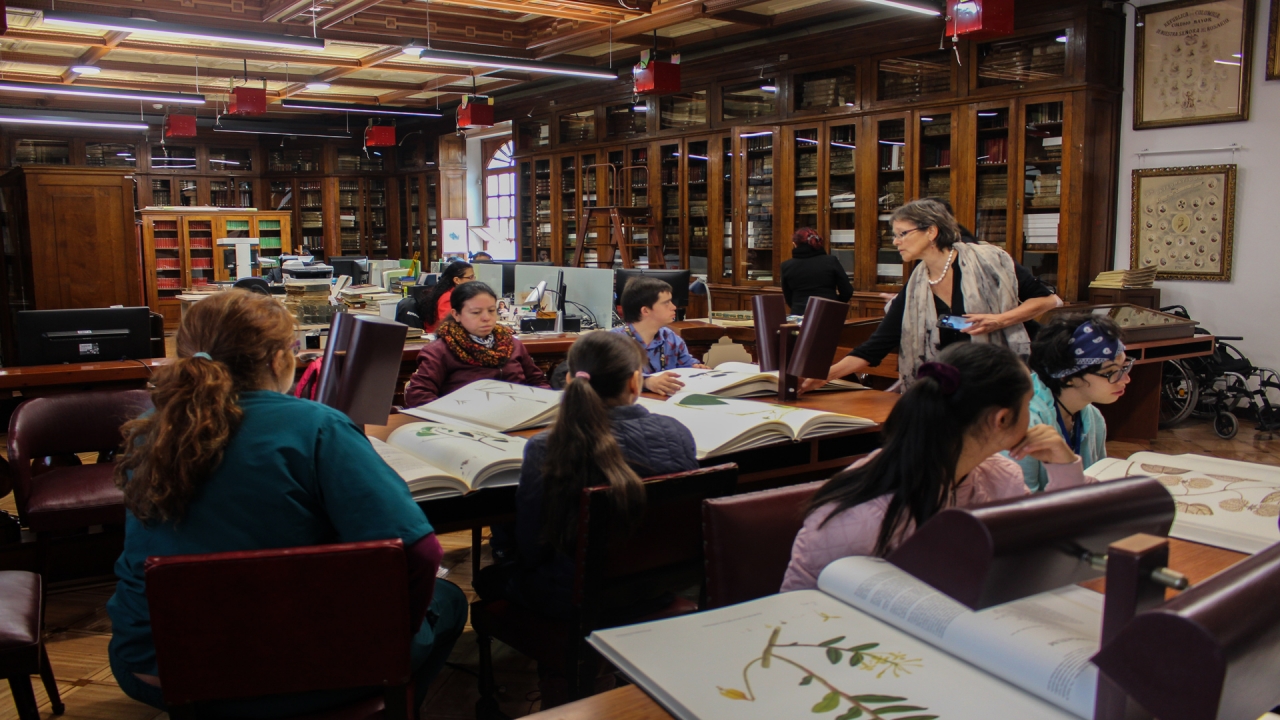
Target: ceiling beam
{"type": "Point", "coordinates": [742, 17]}
{"type": "Point", "coordinates": [278, 10]}
{"type": "Point", "coordinates": [343, 11]}
{"type": "Point", "coordinates": [668, 15]}
{"type": "Point", "coordinates": [371, 60]}
{"type": "Point", "coordinates": [94, 54]}
{"type": "Point", "coordinates": [545, 10]}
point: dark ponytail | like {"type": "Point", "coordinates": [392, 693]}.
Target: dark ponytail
{"type": "Point", "coordinates": [581, 449]}
{"type": "Point", "coordinates": [429, 306]}
{"type": "Point", "coordinates": [1051, 350]}
{"type": "Point", "coordinates": [226, 345]}
{"type": "Point", "coordinates": [924, 436]}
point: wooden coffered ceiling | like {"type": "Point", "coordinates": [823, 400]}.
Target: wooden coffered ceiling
{"type": "Point", "coordinates": [363, 60]}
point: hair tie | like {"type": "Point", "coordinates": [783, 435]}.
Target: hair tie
{"type": "Point", "coordinates": [948, 376]}
{"type": "Point", "coordinates": [583, 375]}
{"type": "Point", "coordinates": [204, 355]}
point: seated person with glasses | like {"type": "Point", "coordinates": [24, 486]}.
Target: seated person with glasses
{"type": "Point", "coordinates": [1077, 362]}
{"type": "Point", "coordinates": [978, 284]}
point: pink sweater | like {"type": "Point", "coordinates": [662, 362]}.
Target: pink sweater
{"type": "Point", "coordinates": [854, 531]}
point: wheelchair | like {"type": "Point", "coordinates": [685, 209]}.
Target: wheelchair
{"type": "Point", "coordinates": [1218, 386]}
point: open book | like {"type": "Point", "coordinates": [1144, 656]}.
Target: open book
{"type": "Point", "coordinates": [872, 642]}
{"type": "Point", "coordinates": [724, 425]}
{"type": "Point", "coordinates": [494, 405]}
{"type": "Point", "coordinates": [438, 460]}
{"type": "Point", "coordinates": [735, 379]}
{"type": "Point", "coordinates": [1224, 503]}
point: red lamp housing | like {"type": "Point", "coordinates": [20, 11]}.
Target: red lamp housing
{"type": "Point", "coordinates": [248, 101]}
{"type": "Point", "coordinates": [979, 19]}
{"type": "Point", "coordinates": [656, 78]}
{"type": "Point", "coordinates": [380, 136]}
{"type": "Point", "coordinates": [179, 126]}
{"type": "Point", "coordinates": [475, 112]}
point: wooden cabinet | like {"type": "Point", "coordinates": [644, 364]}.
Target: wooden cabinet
{"type": "Point", "coordinates": [69, 241]}
{"type": "Point", "coordinates": [181, 251]}
{"type": "Point", "coordinates": [419, 217]}
{"type": "Point", "coordinates": [756, 225]}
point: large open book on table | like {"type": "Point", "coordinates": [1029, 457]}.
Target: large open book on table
{"type": "Point", "coordinates": [494, 405]}
{"type": "Point", "coordinates": [735, 379]}
{"type": "Point", "coordinates": [1224, 503]}
{"type": "Point", "coordinates": [872, 642]}
{"type": "Point", "coordinates": [439, 460]}
{"type": "Point", "coordinates": [724, 425]}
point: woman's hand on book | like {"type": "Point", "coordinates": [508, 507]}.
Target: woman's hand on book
{"type": "Point", "coordinates": [1044, 443]}
{"type": "Point", "coordinates": [663, 383]}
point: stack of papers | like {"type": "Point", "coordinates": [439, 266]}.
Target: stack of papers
{"type": "Point", "coordinates": [1140, 278]}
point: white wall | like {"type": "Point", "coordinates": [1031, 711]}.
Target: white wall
{"type": "Point", "coordinates": [1249, 305]}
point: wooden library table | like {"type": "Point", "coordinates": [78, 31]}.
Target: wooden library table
{"type": "Point", "coordinates": [37, 379]}
{"type": "Point", "coordinates": [1196, 561]}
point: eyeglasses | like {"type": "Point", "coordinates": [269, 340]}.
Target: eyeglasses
{"type": "Point", "coordinates": [468, 277]}
{"type": "Point", "coordinates": [902, 235]}
{"type": "Point", "coordinates": [1115, 376]}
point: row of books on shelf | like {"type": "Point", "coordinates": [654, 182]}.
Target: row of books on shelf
{"type": "Point", "coordinates": [931, 156]}
{"type": "Point", "coordinates": [843, 163]}
{"type": "Point", "coordinates": [993, 150]}
{"type": "Point", "coordinates": [1040, 228]}
{"type": "Point", "coordinates": [761, 142]}
{"type": "Point", "coordinates": [827, 92]}
{"type": "Point", "coordinates": [891, 157]}
{"type": "Point", "coordinates": [1044, 113]}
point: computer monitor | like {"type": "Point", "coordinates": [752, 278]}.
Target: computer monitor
{"type": "Point", "coordinates": [509, 273]}
{"type": "Point", "coordinates": [677, 279]}
{"type": "Point", "coordinates": [354, 266]}
{"type": "Point", "coordinates": [52, 337]}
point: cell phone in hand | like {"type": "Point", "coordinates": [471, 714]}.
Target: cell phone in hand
{"type": "Point", "coordinates": [953, 322]}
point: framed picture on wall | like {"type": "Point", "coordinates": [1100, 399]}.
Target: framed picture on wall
{"type": "Point", "coordinates": [1273, 43]}
{"type": "Point", "coordinates": [1184, 221]}
{"type": "Point", "coordinates": [1191, 62]}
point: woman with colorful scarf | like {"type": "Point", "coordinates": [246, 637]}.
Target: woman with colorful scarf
{"type": "Point", "coordinates": [470, 345]}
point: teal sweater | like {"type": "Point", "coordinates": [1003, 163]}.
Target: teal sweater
{"type": "Point", "coordinates": [1093, 434]}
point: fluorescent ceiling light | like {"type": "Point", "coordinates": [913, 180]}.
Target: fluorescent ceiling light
{"type": "Point", "coordinates": [190, 32]}
{"type": "Point", "coordinates": [71, 122]}
{"type": "Point", "coordinates": [88, 91]}
{"type": "Point", "coordinates": [756, 134]}
{"type": "Point", "coordinates": [988, 114]}
{"type": "Point", "coordinates": [891, 142]}
{"type": "Point", "coordinates": [904, 6]}
{"type": "Point", "coordinates": [1061, 38]}
{"type": "Point", "coordinates": [640, 108]}
{"type": "Point", "coordinates": [224, 162]}
{"type": "Point", "coordinates": [296, 104]}
{"type": "Point", "coordinates": [277, 129]}
{"type": "Point", "coordinates": [86, 69]}
{"type": "Point", "coordinates": [807, 140]}
{"type": "Point", "coordinates": [698, 157]}
{"type": "Point", "coordinates": [444, 57]}
{"type": "Point", "coordinates": [412, 50]}
{"type": "Point", "coordinates": [318, 86]}
{"type": "Point", "coordinates": [926, 119]}
{"type": "Point", "coordinates": [844, 145]}
{"type": "Point", "coordinates": [769, 88]}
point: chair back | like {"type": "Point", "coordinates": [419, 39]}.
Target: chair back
{"type": "Point", "coordinates": [68, 424]}
{"type": "Point", "coordinates": [253, 284]}
{"type": "Point", "coordinates": [247, 624]}
{"type": "Point", "coordinates": [749, 539]}
{"type": "Point", "coordinates": [667, 543]}
{"type": "Point", "coordinates": [361, 366]}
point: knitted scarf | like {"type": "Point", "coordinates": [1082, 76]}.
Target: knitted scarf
{"type": "Point", "coordinates": [473, 353]}
{"type": "Point", "coordinates": [989, 286]}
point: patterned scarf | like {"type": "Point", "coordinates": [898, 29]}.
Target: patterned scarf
{"type": "Point", "coordinates": [989, 286]}
{"type": "Point", "coordinates": [473, 353]}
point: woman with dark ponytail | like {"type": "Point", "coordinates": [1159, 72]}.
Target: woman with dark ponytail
{"type": "Point", "coordinates": [433, 307]}
{"type": "Point", "coordinates": [229, 461]}
{"type": "Point", "coordinates": [942, 446]}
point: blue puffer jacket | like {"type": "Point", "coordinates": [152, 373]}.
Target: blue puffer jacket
{"type": "Point", "coordinates": [1044, 411]}
{"type": "Point", "coordinates": [652, 444]}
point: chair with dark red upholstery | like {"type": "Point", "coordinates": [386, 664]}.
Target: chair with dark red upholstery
{"type": "Point", "coordinates": [665, 552]}
{"type": "Point", "coordinates": [749, 540]}
{"type": "Point", "coordinates": [22, 652]}
{"type": "Point", "coordinates": [242, 625]}
{"type": "Point", "coordinates": [52, 490]}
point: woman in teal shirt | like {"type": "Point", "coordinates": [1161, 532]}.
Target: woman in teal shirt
{"type": "Point", "coordinates": [230, 462]}
{"type": "Point", "coordinates": [1077, 362]}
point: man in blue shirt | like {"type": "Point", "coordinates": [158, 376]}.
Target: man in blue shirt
{"type": "Point", "coordinates": [648, 310]}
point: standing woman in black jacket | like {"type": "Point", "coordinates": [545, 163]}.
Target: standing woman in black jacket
{"type": "Point", "coordinates": [811, 272]}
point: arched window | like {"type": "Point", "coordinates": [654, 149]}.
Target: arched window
{"type": "Point", "coordinates": [500, 191]}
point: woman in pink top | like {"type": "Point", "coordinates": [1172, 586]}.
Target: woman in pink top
{"type": "Point", "coordinates": [942, 449]}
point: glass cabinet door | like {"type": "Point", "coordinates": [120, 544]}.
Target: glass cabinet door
{"type": "Point", "coordinates": [200, 249]}
{"type": "Point", "coordinates": [592, 182]}
{"type": "Point", "coordinates": [540, 248]}
{"type": "Point", "coordinates": [524, 191]}
{"type": "Point", "coordinates": [220, 193]}
{"type": "Point", "coordinates": [162, 192]}
{"type": "Point", "coordinates": [992, 187]}
{"type": "Point", "coordinates": [189, 193]}
{"type": "Point", "coordinates": [244, 193]}
{"type": "Point", "coordinates": [281, 195]}
{"type": "Point", "coordinates": [168, 247]}
{"type": "Point", "coordinates": [805, 151]}
{"type": "Point", "coordinates": [635, 176]}
{"type": "Point", "coordinates": [727, 208]}
{"type": "Point", "coordinates": [669, 213]}
{"type": "Point", "coordinates": [892, 152]}
{"type": "Point", "coordinates": [1042, 189]}
{"type": "Point", "coordinates": [698, 216]}
{"type": "Point", "coordinates": [349, 205]}
{"type": "Point", "coordinates": [755, 158]}
{"type": "Point", "coordinates": [270, 237]}
{"type": "Point", "coordinates": [310, 216]}
{"type": "Point", "coordinates": [933, 158]}
{"type": "Point", "coordinates": [376, 200]}
{"type": "Point", "coordinates": [842, 188]}
{"type": "Point", "coordinates": [411, 217]}
{"type": "Point", "coordinates": [568, 207]}
{"type": "Point", "coordinates": [432, 251]}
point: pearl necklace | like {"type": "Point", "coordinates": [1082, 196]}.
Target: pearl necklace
{"type": "Point", "coordinates": [945, 269]}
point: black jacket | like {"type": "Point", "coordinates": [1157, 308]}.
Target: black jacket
{"type": "Point", "coordinates": [813, 273]}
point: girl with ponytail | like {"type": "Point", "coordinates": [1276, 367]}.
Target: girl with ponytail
{"type": "Point", "coordinates": [942, 446]}
{"type": "Point", "coordinates": [229, 461]}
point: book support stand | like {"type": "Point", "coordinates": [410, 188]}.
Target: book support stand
{"type": "Point", "coordinates": [796, 350]}
{"type": "Point", "coordinates": [361, 365]}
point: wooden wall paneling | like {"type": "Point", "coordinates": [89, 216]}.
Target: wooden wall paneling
{"type": "Point", "coordinates": [453, 176]}
{"type": "Point", "coordinates": [1095, 120]}
{"type": "Point", "coordinates": [963, 163]}
{"type": "Point", "coordinates": [392, 208]}
{"type": "Point", "coordinates": [329, 216]}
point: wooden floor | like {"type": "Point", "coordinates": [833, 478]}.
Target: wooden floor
{"type": "Point", "coordinates": [77, 628]}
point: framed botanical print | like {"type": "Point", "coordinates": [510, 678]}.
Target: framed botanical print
{"type": "Point", "coordinates": [1273, 43]}
{"type": "Point", "coordinates": [1184, 221]}
{"type": "Point", "coordinates": [1191, 62]}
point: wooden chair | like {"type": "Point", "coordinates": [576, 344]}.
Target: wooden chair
{"type": "Point", "coordinates": [22, 652]}
{"type": "Point", "coordinates": [666, 547]}
{"type": "Point", "coordinates": [54, 492]}
{"type": "Point", "coordinates": [748, 541]}
{"type": "Point", "coordinates": [247, 624]}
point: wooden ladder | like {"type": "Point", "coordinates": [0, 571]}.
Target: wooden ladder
{"type": "Point", "coordinates": [620, 221]}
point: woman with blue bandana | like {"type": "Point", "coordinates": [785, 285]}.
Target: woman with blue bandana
{"type": "Point", "coordinates": [1077, 362]}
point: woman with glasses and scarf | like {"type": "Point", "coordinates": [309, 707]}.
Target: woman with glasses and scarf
{"type": "Point", "coordinates": [975, 281]}
{"type": "Point", "coordinates": [1077, 362]}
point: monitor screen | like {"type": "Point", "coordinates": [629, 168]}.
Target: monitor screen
{"type": "Point", "coordinates": [677, 279]}
{"type": "Point", "coordinates": [51, 337]}
{"type": "Point", "coordinates": [354, 267]}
